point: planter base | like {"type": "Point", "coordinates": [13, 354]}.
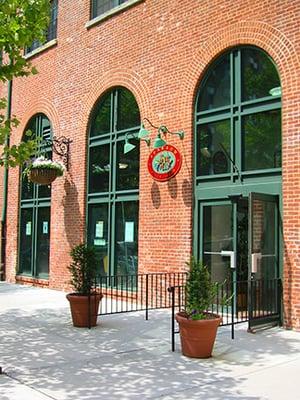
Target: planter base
{"type": "Point", "coordinates": [197, 337]}
{"type": "Point", "coordinates": [80, 309]}
{"type": "Point", "coordinates": [42, 176]}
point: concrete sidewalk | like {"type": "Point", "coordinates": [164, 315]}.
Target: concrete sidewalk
{"type": "Point", "coordinates": [125, 357]}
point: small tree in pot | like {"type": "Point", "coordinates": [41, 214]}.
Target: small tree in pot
{"type": "Point", "coordinates": [83, 302]}
{"type": "Point", "coordinates": [198, 327]}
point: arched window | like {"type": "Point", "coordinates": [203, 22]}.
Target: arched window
{"type": "Point", "coordinates": [238, 168]}
{"type": "Point", "coordinates": [34, 233]}
{"type": "Point", "coordinates": [113, 183]}
{"type": "Point", "coordinates": [238, 116]}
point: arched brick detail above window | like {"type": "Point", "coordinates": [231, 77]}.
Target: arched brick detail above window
{"type": "Point", "coordinates": [278, 46]}
{"type": "Point", "coordinates": [40, 106]}
{"type": "Point", "coordinates": [259, 34]}
{"type": "Point", "coordinates": [113, 78]}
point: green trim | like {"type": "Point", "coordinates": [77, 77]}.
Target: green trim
{"type": "Point", "coordinates": [113, 196]}
{"type": "Point", "coordinates": [235, 111]}
{"type": "Point", "coordinates": [215, 189]}
{"type": "Point", "coordinates": [36, 202]}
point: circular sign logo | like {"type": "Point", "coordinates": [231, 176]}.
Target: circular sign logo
{"type": "Point", "coordinates": [164, 163]}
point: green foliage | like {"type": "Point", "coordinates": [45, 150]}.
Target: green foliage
{"type": "Point", "coordinates": [21, 22]}
{"type": "Point", "coordinates": [200, 290]}
{"type": "Point", "coordinates": [83, 268]}
{"type": "Point", "coordinates": [43, 163]}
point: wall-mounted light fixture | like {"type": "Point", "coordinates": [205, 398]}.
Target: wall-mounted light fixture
{"type": "Point", "coordinates": [145, 133]}
{"type": "Point", "coordinates": [128, 146]}
{"type": "Point", "coordinates": [161, 130]}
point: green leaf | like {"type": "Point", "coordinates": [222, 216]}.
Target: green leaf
{"type": "Point", "coordinates": [21, 22]}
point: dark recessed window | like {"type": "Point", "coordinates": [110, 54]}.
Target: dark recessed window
{"type": "Point", "coordinates": [100, 7]}
{"type": "Point", "coordinates": [239, 115]}
{"type": "Point", "coordinates": [35, 211]}
{"type": "Point", "coordinates": [51, 31]}
{"type": "Point", "coordinates": [113, 184]}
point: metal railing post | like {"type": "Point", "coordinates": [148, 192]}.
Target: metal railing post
{"type": "Point", "coordinates": [249, 304]}
{"type": "Point", "coordinates": [89, 310]}
{"type": "Point", "coordinates": [233, 295]}
{"type": "Point", "coordinates": [172, 290]}
{"type": "Point", "coordinates": [279, 299]}
{"type": "Point", "coordinates": [147, 297]}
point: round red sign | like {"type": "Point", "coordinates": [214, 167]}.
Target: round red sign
{"type": "Point", "coordinates": [164, 163]}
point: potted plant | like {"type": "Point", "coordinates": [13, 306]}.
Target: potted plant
{"type": "Point", "coordinates": [197, 326]}
{"type": "Point", "coordinates": [43, 171]}
{"type": "Point", "coordinates": [84, 303]}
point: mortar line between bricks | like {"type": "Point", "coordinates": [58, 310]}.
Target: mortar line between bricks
{"type": "Point", "coordinates": [29, 386]}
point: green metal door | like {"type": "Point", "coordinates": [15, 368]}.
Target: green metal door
{"type": "Point", "coordinates": [218, 247]}
{"type": "Point", "coordinates": [264, 285]}
{"type": "Point", "coordinates": [239, 242]}
{"type": "Point", "coordinates": [42, 239]}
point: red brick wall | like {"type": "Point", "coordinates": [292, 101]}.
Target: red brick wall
{"type": "Point", "coordinates": [159, 50]}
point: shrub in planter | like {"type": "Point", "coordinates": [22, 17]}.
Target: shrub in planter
{"type": "Point", "coordinates": [197, 326]}
{"type": "Point", "coordinates": [83, 302]}
{"type": "Point", "coordinates": [43, 171]}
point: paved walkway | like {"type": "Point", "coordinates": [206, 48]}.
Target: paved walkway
{"type": "Point", "coordinates": [125, 357]}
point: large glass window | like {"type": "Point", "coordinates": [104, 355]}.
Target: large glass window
{"type": "Point", "coordinates": [102, 6]}
{"type": "Point", "coordinates": [238, 116]}
{"type": "Point", "coordinates": [216, 89]}
{"type": "Point", "coordinates": [51, 31]}
{"type": "Point", "coordinates": [113, 183]}
{"type": "Point", "coordinates": [34, 231]}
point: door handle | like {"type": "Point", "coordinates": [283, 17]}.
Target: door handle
{"type": "Point", "coordinates": [254, 261]}
{"type": "Point", "coordinates": [231, 254]}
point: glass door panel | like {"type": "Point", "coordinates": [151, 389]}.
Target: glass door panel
{"type": "Point", "coordinates": [218, 243]}
{"type": "Point", "coordinates": [263, 236]}
{"type": "Point", "coordinates": [98, 234]}
{"type": "Point", "coordinates": [43, 241]}
{"type": "Point", "coordinates": [26, 241]}
{"type": "Point", "coordinates": [126, 238]}
{"type": "Point", "coordinates": [263, 292]}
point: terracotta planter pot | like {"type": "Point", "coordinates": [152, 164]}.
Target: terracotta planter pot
{"type": "Point", "coordinates": [79, 305]}
{"type": "Point", "coordinates": [42, 176]}
{"type": "Point", "coordinates": [198, 337]}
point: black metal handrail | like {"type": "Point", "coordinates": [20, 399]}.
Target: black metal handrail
{"type": "Point", "coordinates": [246, 300]}
{"type": "Point", "coordinates": [258, 299]}
{"type": "Point", "coordinates": [140, 292]}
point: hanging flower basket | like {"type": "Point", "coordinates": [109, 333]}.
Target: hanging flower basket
{"type": "Point", "coordinates": [42, 176]}
{"type": "Point", "coordinates": [43, 171]}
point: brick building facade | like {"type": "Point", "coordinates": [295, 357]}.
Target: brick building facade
{"type": "Point", "coordinates": [160, 51]}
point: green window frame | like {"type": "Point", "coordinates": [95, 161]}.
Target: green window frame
{"type": "Point", "coordinates": [35, 203]}
{"type": "Point", "coordinates": [113, 183]}
{"type": "Point", "coordinates": [238, 118]}
{"type": "Point", "coordinates": [51, 31]}
{"type": "Point", "coordinates": [99, 7]}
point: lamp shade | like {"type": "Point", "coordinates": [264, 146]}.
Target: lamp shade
{"type": "Point", "coordinates": [128, 147]}
{"type": "Point", "coordinates": [158, 142]}
{"type": "Point", "coordinates": [143, 133]}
